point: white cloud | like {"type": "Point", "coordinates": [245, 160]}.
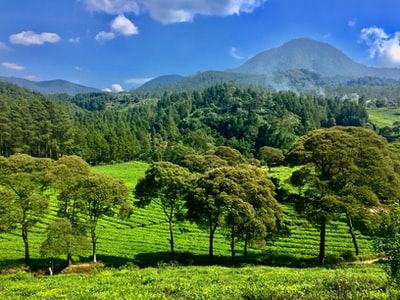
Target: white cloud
{"type": "Point", "coordinates": [12, 66]}
{"type": "Point", "coordinates": [138, 80]}
{"type": "Point", "coordinates": [234, 54]}
{"type": "Point", "coordinates": [351, 23]}
{"type": "Point", "coordinates": [113, 6]}
{"type": "Point", "coordinates": [107, 90]}
{"type": "Point", "coordinates": [31, 38]}
{"type": "Point", "coordinates": [76, 40]}
{"type": "Point", "coordinates": [173, 11]}
{"type": "Point", "coordinates": [104, 36]}
{"type": "Point", "coordinates": [117, 88]}
{"type": "Point", "coordinates": [4, 46]}
{"type": "Point", "coordinates": [383, 46]}
{"type": "Point", "coordinates": [122, 25]}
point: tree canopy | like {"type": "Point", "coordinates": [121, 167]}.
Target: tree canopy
{"type": "Point", "coordinates": [165, 184]}
{"type": "Point", "coordinates": [345, 170]}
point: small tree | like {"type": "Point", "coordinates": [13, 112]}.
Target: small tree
{"type": "Point", "coordinates": [270, 156]}
{"type": "Point", "coordinates": [165, 184]}
{"type": "Point", "coordinates": [25, 182]}
{"type": "Point", "coordinates": [67, 175]}
{"type": "Point", "coordinates": [388, 242]}
{"type": "Point", "coordinates": [101, 195]}
{"type": "Point", "coordinates": [62, 238]}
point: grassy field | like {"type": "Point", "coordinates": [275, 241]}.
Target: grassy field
{"type": "Point", "coordinates": [382, 117]}
{"type": "Point", "coordinates": [200, 282]}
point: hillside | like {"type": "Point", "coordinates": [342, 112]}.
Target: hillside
{"type": "Point", "coordinates": [50, 87]}
{"type": "Point", "coordinates": [313, 56]}
{"type": "Point", "coordinates": [300, 65]}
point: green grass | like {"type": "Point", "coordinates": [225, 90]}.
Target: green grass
{"type": "Point", "coordinates": [199, 282]}
{"type": "Point", "coordinates": [382, 117]}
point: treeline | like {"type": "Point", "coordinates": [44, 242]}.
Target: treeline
{"type": "Point", "coordinates": [242, 118]}
{"type": "Point", "coordinates": [103, 128]}
{"type": "Point", "coordinates": [32, 123]}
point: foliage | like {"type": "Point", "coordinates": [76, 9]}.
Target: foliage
{"type": "Point", "coordinates": [24, 184]}
{"type": "Point", "coordinates": [346, 170]}
{"type": "Point", "coordinates": [196, 282]}
{"type": "Point", "coordinates": [62, 238]}
{"type": "Point", "coordinates": [239, 198]}
{"type": "Point", "coordinates": [270, 156]}
{"type": "Point", "coordinates": [388, 242]}
{"type": "Point", "coordinates": [33, 124]}
{"type": "Point", "coordinates": [101, 195]}
{"type": "Point", "coordinates": [166, 184]}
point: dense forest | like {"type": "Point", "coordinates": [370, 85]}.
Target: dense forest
{"type": "Point", "coordinates": [104, 128]}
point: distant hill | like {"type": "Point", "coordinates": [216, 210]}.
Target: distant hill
{"type": "Point", "coordinates": [50, 87]}
{"type": "Point", "coordinates": [161, 80]}
{"type": "Point", "coordinates": [314, 56]}
{"type": "Point", "coordinates": [298, 65]}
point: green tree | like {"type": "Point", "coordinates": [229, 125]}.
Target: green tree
{"type": "Point", "coordinates": [345, 170]}
{"type": "Point", "coordinates": [62, 238]}
{"type": "Point", "coordinates": [165, 184]}
{"type": "Point", "coordinates": [101, 195]}
{"type": "Point", "coordinates": [240, 199]}
{"type": "Point", "coordinates": [270, 156]}
{"type": "Point", "coordinates": [24, 184]}
{"type": "Point", "coordinates": [387, 241]}
{"type": "Point", "coordinates": [67, 175]}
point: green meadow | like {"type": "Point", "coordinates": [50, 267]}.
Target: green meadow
{"type": "Point", "coordinates": [383, 116]}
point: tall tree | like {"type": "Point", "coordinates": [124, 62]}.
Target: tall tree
{"type": "Point", "coordinates": [25, 182]}
{"type": "Point", "coordinates": [345, 170]}
{"type": "Point", "coordinates": [165, 184]}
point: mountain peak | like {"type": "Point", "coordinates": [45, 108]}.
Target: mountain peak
{"type": "Point", "coordinates": [303, 53]}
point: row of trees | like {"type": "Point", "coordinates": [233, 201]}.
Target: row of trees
{"type": "Point", "coordinates": [83, 197]}
{"type": "Point", "coordinates": [345, 171]}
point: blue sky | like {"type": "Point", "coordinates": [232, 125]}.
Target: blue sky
{"type": "Point", "coordinates": [119, 44]}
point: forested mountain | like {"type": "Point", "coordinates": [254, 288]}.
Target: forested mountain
{"type": "Point", "coordinates": [49, 87]}
{"type": "Point", "coordinates": [300, 65]}
{"type": "Point", "coordinates": [313, 56]}
{"type": "Point", "coordinates": [127, 127]}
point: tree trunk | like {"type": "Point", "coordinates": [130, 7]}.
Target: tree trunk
{"type": "Point", "coordinates": [94, 242]}
{"type": "Point", "coordinates": [233, 246]}
{"type": "Point", "coordinates": [353, 235]}
{"type": "Point", "coordinates": [26, 243]}
{"type": "Point", "coordinates": [171, 240]}
{"type": "Point", "coordinates": [69, 255]}
{"type": "Point", "coordinates": [322, 235]}
{"type": "Point", "coordinates": [211, 243]}
{"type": "Point", "coordinates": [245, 247]}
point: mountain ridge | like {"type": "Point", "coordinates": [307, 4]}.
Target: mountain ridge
{"type": "Point", "coordinates": [48, 87]}
{"type": "Point", "coordinates": [299, 64]}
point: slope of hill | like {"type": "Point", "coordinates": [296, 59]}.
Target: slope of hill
{"type": "Point", "coordinates": [50, 87]}
{"type": "Point", "coordinates": [298, 65]}
{"type": "Point", "coordinates": [313, 56]}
